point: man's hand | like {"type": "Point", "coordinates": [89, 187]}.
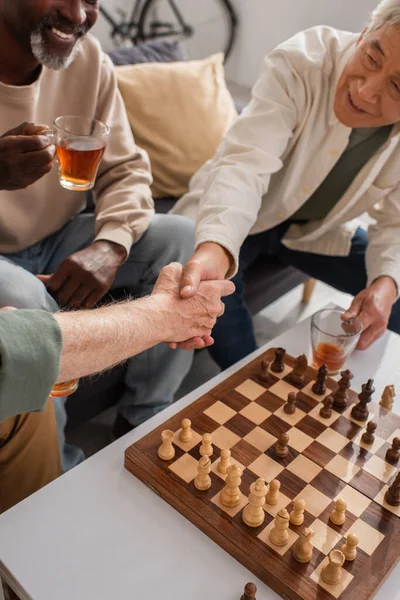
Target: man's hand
{"type": "Point", "coordinates": [192, 318]}
{"type": "Point", "coordinates": [373, 306]}
{"type": "Point", "coordinates": [25, 156]}
{"type": "Point", "coordinates": [210, 262]}
{"type": "Point", "coordinates": [83, 278]}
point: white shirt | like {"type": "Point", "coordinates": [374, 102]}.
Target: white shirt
{"type": "Point", "coordinates": [281, 149]}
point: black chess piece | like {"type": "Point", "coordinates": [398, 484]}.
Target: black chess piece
{"type": "Point", "coordinates": [299, 369]}
{"type": "Point", "coordinates": [392, 496]}
{"type": "Point", "coordinates": [393, 453]}
{"type": "Point", "coordinates": [250, 591]}
{"type": "Point", "coordinates": [290, 407]}
{"type": "Point", "coordinates": [326, 410]}
{"type": "Point", "coordinates": [264, 370]}
{"type": "Point", "coordinates": [319, 386]}
{"type": "Point", "coordinates": [368, 435]}
{"type": "Point", "coordinates": [278, 366]}
{"type": "Point", "coordinates": [341, 396]}
{"type": "Point", "coordinates": [360, 411]}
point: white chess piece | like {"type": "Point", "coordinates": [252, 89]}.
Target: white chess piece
{"type": "Point", "coordinates": [185, 434]}
{"type": "Point", "coordinates": [349, 549]}
{"type": "Point", "coordinates": [202, 481]}
{"type": "Point", "coordinates": [272, 496]}
{"type": "Point", "coordinates": [253, 513]}
{"type": "Point", "coordinates": [224, 461]}
{"type": "Point", "coordinates": [166, 451]}
{"type": "Point", "coordinates": [206, 448]}
{"type": "Point", "coordinates": [297, 514]}
{"type": "Point", "coordinates": [338, 515]}
{"type": "Point", "coordinates": [332, 572]}
{"type": "Point", "coordinates": [279, 535]}
{"type": "Point", "coordinates": [230, 494]}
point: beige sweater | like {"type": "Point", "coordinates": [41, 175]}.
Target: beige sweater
{"type": "Point", "coordinates": [124, 205]}
{"type": "Point", "coordinates": [282, 148]}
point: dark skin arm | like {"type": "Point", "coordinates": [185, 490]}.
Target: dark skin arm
{"type": "Point", "coordinates": [86, 276]}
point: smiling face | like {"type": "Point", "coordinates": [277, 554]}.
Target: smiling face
{"type": "Point", "coordinates": [368, 91]}
{"type": "Point", "coordinates": [50, 29]}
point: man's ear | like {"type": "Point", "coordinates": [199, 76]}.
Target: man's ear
{"type": "Point", "coordinates": [362, 34]}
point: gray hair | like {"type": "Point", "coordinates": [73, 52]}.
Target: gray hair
{"type": "Point", "coordinates": [386, 13]}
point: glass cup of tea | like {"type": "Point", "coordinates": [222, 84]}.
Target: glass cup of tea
{"type": "Point", "coordinates": [332, 339]}
{"type": "Point", "coordinates": [80, 144]}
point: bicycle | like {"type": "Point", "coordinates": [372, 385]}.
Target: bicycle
{"type": "Point", "coordinates": [214, 29]}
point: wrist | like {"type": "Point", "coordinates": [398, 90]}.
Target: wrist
{"type": "Point", "coordinates": [108, 246]}
{"type": "Point", "coordinates": [151, 313]}
{"type": "Point", "coordinates": [388, 285]}
{"type": "Point", "coordinates": [220, 255]}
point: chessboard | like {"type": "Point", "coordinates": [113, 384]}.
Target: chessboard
{"type": "Point", "coordinates": [326, 460]}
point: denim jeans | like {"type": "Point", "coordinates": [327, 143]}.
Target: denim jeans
{"type": "Point", "coordinates": [234, 334]}
{"type": "Point", "coordinates": [152, 377]}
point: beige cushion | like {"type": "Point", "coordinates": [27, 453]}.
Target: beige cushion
{"type": "Point", "coordinates": [179, 112]}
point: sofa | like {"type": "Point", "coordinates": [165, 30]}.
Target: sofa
{"type": "Point", "coordinates": [265, 281]}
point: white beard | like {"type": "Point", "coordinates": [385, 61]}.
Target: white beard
{"type": "Point", "coordinates": [51, 61]}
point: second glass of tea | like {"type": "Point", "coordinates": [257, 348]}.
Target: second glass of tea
{"type": "Point", "coordinates": [80, 144]}
{"type": "Point", "coordinates": [332, 339]}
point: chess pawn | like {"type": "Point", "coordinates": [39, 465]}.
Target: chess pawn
{"type": "Point", "coordinates": [388, 397]}
{"type": "Point", "coordinates": [279, 535]}
{"type": "Point", "coordinates": [166, 451]}
{"type": "Point", "coordinates": [332, 572]}
{"type": "Point", "coordinates": [253, 513]}
{"type": "Point", "coordinates": [224, 461]}
{"type": "Point", "coordinates": [185, 434]}
{"type": "Point", "coordinates": [303, 548]}
{"type": "Point", "coordinates": [319, 387]}
{"type": "Point", "coordinates": [272, 495]}
{"type": "Point", "coordinates": [338, 515]}
{"type": "Point", "coordinates": [230, 494]}
{"type": "Point", "coordinates": [250, 591]}
{"type": "Point", "coordinates": [281, 446]}
{"type": "Point", "coordinates": [297, 514]}
{"type": "Point", "coordinates": [290, 407]}
{"type": "Point", "coordinates": [202, 481]}
{"type": "Point", "coordinates": [392, 496]}
{"type": "Point", "coordinates": [349, 549]}
{"type": "Point", "coordinates": [278, 365]}
{"type": "Point", "coordinates": [326, 410]}
{"type": "Point", "coordinates": [206, 448]}
{"type": "Point", "coordinates": [393, 453]}
{"type": "Point", "coordinates": [368, 435]}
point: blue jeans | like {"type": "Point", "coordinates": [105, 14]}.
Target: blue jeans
{"type": "Point", "coordinates": [234, 334]}
{"type": "Point", "coordinates": [152, 377]}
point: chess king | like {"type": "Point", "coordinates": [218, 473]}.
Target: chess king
{"type": "Point", "coordinates": [317, 147]}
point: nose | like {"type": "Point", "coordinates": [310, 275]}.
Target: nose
{"type": "Point", "coordinates": [74, 12]}
{"type": "Point", "coordinates": [370, 88]}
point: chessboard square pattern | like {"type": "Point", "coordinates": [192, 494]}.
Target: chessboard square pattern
{"type": "Point", "coordinates": [223, 476]}
{"type": "Point", "coordinates": [355, 501]}
{"type": "Point", "coordinates": [223, 438]}
{"type": "Point", "coordinates": [307, 390]}
{"type": "Point", "coordinates": [380, 499]}
{"type": "Point", "coordinates": [293, 419]}
{"type": "Point", "coordinates": [185, 467]}
{"type": "Point", "coordinates": [187, 446]}
{"type": "Point", "coordinates": [283, 502]}
{"type": "Point", "coordinates": [325, 538]}
{"type": "Point", "coordinates": [298, 439]}
{"type": "Point", "coordinates": [393, 435]}
{"type": "Point", "coordinates": [314, 413]}
{"type": "Point", "coordinates": [342, 468]}
{"type": "Point", "coordinates": [244, 452]}
{"type": "Point", "coordinates": [284, 373]}
{"type": "Point", "coordinates": [369, 538]}
{"type": "Point", "coordinates": [316, 501]}
{"type": "Point", "coordinates": [250, 389]}
{"type": "Point", "coordinates": [255, 413]}
{"type": "Point", "coordinates": [266, 467]}
{"type": "Point", "coordinates": [260, 439]}
{"type": "Point", "coordinates": [380, 469]}
{"type": "Point", "coordinates": [231, 511]}
{"type": "Point", "coordinates": [374, 447]}
{"type": "Point", "coordinates": [264, 537]}
{"type": "Point", "coordinates": [220, 412]}
{"type": "Point", "coordinates": [332, 440]}
{"type": "Point", "coordinates": [335, 590]}
{"type": "Point", "coordinates": [282, 389]}
{"type": "Point", "coordinates": [304, 468]}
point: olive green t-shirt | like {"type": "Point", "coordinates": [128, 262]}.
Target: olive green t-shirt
{"type": "Point", "coordinates": [30, 355]}
{"type": "Point", "coordinates": [363, 144]}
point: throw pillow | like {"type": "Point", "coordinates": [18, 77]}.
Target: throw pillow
{"type": "Point", "coordinates": [179, 112]}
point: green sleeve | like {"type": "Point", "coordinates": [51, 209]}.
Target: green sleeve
{"type": "Point", "coordinates": [30, 354]}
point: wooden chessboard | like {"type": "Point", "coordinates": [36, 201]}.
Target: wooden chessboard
{"type": "Point", "coordinates": [326, 460]}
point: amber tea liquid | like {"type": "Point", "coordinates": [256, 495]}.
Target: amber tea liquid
{"type": "Point", "coordinates": [79, 160]}
{"type": "Point", "coordinates": [331, 355]}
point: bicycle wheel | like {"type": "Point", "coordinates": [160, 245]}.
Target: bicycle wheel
{"type": "Point", "coordinates": [204, 27]}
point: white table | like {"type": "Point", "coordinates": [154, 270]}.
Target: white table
{"type": "Point", "coordinates": [97, 533]}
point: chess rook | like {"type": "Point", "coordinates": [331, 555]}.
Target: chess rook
{"type": "Point", "coordinates": [360, 411]}
{"type": "Point", "coordinates": [349, 549]}
{"type": "Point", "coordinates": [206, 448]}
{"type": "Point", "coordinates": [392, 496]}
{"type": "Point", "coordinates": [253, 513]}
{"type": "Point", "coordinates": [272, 496]}
{"type": "Point", "coordinates": [393, 453]}
{"type": "Point", "coordinates": [290, 407]}
{"type": "Point", "coordinates": [278, 365]}
{"type": "Point", "coordinates": [185, 434]}
{"type": "Point", "coordinates": [250, 591]}
{"type": "Point", "coordinates": [297, 514]}
{"type": "Point", "coordinates": [281, 446]}
{"type": "Point", "coordinates": [299, 369]}
{"type": "Point", "coordinates": [202, 481]}
{"type": "Point", "coordinates": [388, 397]}
{"type": "Point", "coordinates": [279, 535]}
{"type": "Point", "coordinates": [332, 572]}
{"type": "Point", "coordinates": [338, 515]}
{"type": "Point", "coordinates": [166, 451]}
{"type": "Point", "coordinates": [224, 461]}
{"type": "Point", "coordinates": [326, 410]}
{"type": "Point", "coordinates": [230, 494]}
{"type": "Point", "coordinates": [341, 396]}
{"type": "Point", "coordinates": [319, 387]}
{"type": "Point", "coordinates": [303, 548]}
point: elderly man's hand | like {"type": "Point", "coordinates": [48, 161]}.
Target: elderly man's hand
{"type": "Point", "coordinates": [189, 321]}
{"type": "Point", "coordinates": [83, 278]}
{"type": "Point", "coordinates": [373, 307]}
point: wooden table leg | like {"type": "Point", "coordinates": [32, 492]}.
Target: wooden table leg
{"type": "Point", "coordinates": [308, 288]}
